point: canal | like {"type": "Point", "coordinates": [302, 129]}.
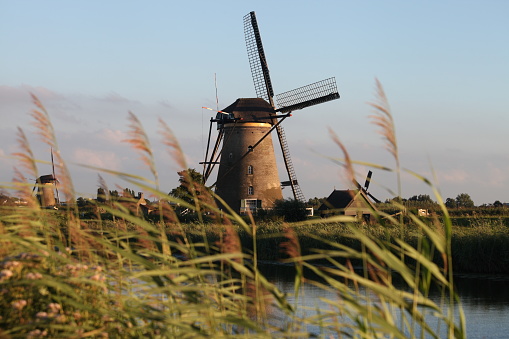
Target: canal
{"type": "Point", "coordinates": [484, 299]}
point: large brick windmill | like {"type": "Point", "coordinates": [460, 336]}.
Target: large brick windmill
{"type": "Point", "coordinates": [247, 177]}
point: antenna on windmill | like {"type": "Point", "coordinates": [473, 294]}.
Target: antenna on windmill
{"type": "Point", "coordinates": [217, 97]}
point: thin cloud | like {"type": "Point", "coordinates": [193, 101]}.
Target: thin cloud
{"type": "Point", "coordinates": [453, 176]}
{"type": "Point", "coordinates": [96, 158]}
{"type": "Point", "coordinates": [111, 136]}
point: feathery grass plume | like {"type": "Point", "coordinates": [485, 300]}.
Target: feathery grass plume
{"type": "Point", "coordinates": [231, 242]}
{"type": "Point", "coordinates": [27, 161]}
{"type": "Point", "coordinates": [43, 123]}
{"type": "Point", "coordinates": [140, 142]}
{"type": "Point", "coordinates": [177, 154]}
{"type": "Point", "coordinates": [384, 120]}
{"type": "Point", "coordinates": [347, 163]}
{"type": "Point", "coordinates": [261, 300]}
{"type": "Point", "coordinates": [290, 247]}
{"type": "Point", "coordinates": [26, 156]}
{"type": "Point", "coordinates": [174, 146]}
{"type": "Point", "coordinates": [104, 187]}
{"type": "Point", "coordinates": [47, 133]}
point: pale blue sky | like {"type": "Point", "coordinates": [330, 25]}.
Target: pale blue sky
{"type": "Point", "coordinates": [443, 64]}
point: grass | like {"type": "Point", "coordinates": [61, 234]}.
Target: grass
{"type": "Point", "coordinates": [479, 245]}
{"type": "Point", "coordinates": [62, 277]}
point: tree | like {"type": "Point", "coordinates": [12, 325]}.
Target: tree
{"type": "Point", "coordinates": [290, 209]}
{"type": "Point", "coordinates": [128, 193]}
{"type": "Point", "coordinates": [497, 203]}
{"type": "Point", "coordinates": [450, 203]}
{"type": "Point", "coordinates": [424, 198]}
{"type": "Point", "coordinates": [190, 181]}
{"type": "Point", "coordinates": [463, 200]}
{"type": "Point", "coordinates": [101, 195]}
{"type": "Point", "coordinates": [315, 202]}
{"type": "Point", "coordinates": [114, 195]}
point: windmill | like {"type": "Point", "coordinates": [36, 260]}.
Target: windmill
{"type": "Point", "coordinates": [46, 187]}
{"type": "Point", "coordinates": [247, 175]}
{"type": "Point", "coordinates": [366, 186]}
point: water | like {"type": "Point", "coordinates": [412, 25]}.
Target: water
{"type": "Point", "coordinates": [484, 299]}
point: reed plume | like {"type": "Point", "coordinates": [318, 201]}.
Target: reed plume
{"type": "Point", "coordinates": [26, 156]}
{"type": "Point", "coordinates": [140, 142]}
{"type": "Point", "coordinates": [27, 161]}
{"type": "Point", "coordinates": [231, 242]}
{"type": "Point", "coordinates": [291, 247]}
{"type": "Point", "coordinates": [174, 146]}
{"type": "Point", "coordinates": [47, 133]}
{"type": "Point", "coordinates": [382, 118]}
{"type": "Point", "coordinates": [347, 163]}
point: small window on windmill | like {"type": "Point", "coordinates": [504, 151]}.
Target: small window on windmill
{"type": "Point", "coordinates": [230, 156]}
{"type": "Point", "coordinates": [250, 190]}
{"type": "Point", "coordinates": [249, 170]}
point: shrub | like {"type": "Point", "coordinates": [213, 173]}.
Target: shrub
{"type": "Point", "coordinates": [290, 210]}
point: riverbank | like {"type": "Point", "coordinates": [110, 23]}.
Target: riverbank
{"type": "Point", "coordinates": [479, 245]}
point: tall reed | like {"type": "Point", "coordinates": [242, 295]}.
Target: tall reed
{"type": "Point", "coordinates": [63, 278]}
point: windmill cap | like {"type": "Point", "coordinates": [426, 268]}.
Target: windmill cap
{"type": "Point", "coordinates": [251, 110]}
{"type": "Point", "coordinates": [47, 179]}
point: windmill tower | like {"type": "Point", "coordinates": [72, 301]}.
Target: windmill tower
{"type": "Point", "coordinates": [46, 185]}
{"type": "Point", "coordinates": [247, 176]}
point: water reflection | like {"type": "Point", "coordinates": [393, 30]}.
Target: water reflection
{"type": "Point", "coordinates": [484, 298]}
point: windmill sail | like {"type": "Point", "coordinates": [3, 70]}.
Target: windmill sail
{"type": "Point", "coordinates": [297, 192]}
{"type": "Point", "coordinates": [309, 95]}
{"type": "Point", "coordinates": [299, 98]}
{"type": "Point", "coordinates": [257, 61]}
{"type": "Point", "coordinates": [263, 89]}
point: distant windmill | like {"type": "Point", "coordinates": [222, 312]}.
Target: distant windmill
{"type": "Point", "coordinates": [366, 186]}
{"type": "Point", "coordinates": [247, 176]}
{"type": "Point", "coordinates": [46, 186]}
{"type": "Point", "coordinates": [45, 191]}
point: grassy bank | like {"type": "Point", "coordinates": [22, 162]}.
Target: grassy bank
{"type": "Point", "coordinates": [480, 247]}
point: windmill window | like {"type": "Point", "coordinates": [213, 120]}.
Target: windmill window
{"type": "Point", "coordinates": [250, 190]}
{"type": "Point", "coordinates": [230, 155]}
{"type": "Point", "coordinates": [249, 169]}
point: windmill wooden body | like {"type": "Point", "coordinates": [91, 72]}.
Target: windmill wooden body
{"type": "Point", "coordinates": [248, 176]}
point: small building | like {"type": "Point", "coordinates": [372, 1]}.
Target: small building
{"type": "Point", "coordinates": [348, 202]}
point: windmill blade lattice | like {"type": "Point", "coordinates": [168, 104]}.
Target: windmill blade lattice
{"type": "Point", "coordinates": [309, 95]}
{"type": "Point", "coordinates": [257, 61]}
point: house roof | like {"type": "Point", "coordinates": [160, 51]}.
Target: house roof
{"type": "Point", "coordinates": [338, 199]}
